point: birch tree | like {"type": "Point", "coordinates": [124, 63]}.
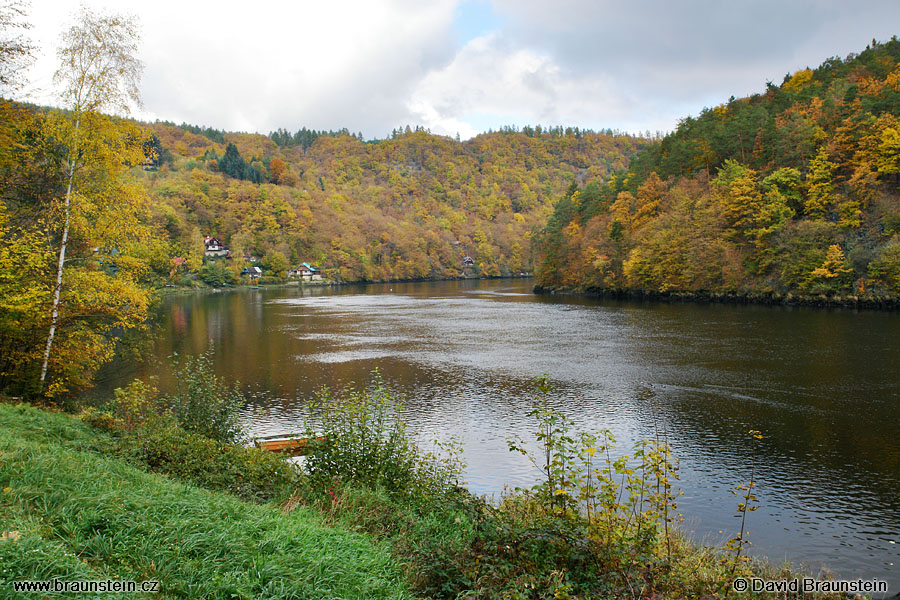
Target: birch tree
{"type": "Point", "coordinates": [98, 72]}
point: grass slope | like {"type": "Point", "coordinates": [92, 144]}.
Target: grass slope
{"type": "Point", "coordinates": [80, 515]}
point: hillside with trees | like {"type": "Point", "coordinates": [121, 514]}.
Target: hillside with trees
{"type": "Point", "coordinates": [408, 207]}
{"type": "Point", "coordinates": [789, 192]}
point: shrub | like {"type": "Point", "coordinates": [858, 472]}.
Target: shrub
{"type": "Point", "coordinates": [216, 274]}
{"type": "Point", "coordinates": [203, 403]}
{"type": "Point", "coordinates": [139, 405]}
{"type": "Point", "coordinates": [100, 419]}
{"type": "Point", "coordinates": [366, 443]}
{"type": "Point", "coordinates": [619, 511]}
{"type": "Point", "coordinates": [191, 434]}
{"type": "Point", "coordinates": [885, 268]}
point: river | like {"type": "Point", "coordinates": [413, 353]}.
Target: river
{"type": "Point", "coordinates": [822, 386]}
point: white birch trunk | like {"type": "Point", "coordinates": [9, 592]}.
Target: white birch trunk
{"type": "Point", "coordinates": [62, 261]}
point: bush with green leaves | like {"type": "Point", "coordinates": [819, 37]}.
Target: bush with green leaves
{"type": "Point", "coordinates": [215, 274]}
{"type": "Point", "coordinates": [885, 268]}
{"type": "Point", "coordinates": [138, 405]}
{"type": "Point", "coordinates": [365, 441]}
{"type": "Point", "coordinates": [269, 280]}
{"type": "Point", "coordinates": [191, 434]}
{"type": "Point", "coordinates": [203, 402]}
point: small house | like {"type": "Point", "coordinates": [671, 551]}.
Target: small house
{"type": "Point", "coordinates": [252, 272]}
{"type": "Point", "coordinates": [213, 247]}
{"type": "Point", "coordinates": [306, 272]}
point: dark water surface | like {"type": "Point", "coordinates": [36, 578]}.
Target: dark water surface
{"type": "Point", "coordinates": [823, 386]}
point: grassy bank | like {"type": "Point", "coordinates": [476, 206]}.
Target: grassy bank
{"type": "Point", "coordinates": [69, 511]}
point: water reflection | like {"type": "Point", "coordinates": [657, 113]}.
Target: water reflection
{"type": "Point", "coordinates": [821, 385]}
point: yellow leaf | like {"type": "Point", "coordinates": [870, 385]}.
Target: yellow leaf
{"type": "Point", "coordinates": [10, 535]}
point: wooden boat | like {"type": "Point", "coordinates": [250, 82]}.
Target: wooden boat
{"type": "Point", "coordinates": [292, 446]}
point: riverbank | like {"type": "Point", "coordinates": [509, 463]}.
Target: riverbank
{"type": "Point", "coordinates": [818, 383]}
{"type": "Point", "coordinates": [182, 290]}
{"type": "Point", "coordinates": [74, 508]}
{"type": "Point", "coordinates": [760, 298]}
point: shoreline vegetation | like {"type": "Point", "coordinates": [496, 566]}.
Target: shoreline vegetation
{"type": "Point", "coordinates": [758, 298]}
{"type": "Point", "coordinates": [202, 287]}
{"type": "Point", "coordinates": [75, 510]}
{"type": "Point", "coordinates": [156, 487]}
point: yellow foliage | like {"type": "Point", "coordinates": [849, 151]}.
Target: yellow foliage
{"type": "Point", "coordinates": [621, 208]}
{"type": "Point", "coordinates": [893, 79]}
{"type": "Point", "coordinates": [835, 264]}
{"type": "Point", "coordinates": [888, 160]}
{"type": "Point", "coordinates": [103, 214]}
{"type": "Point", "coordinates": [26, 262]}
{"type": "Point", "coordinates": [798, 80]}
{"type": "Point", "coordinates": [819, 198]}
{"type": "Point", "coordinates": [573, 230]}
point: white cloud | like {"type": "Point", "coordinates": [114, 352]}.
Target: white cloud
{"type": "Point", "coordinates": [265, 65]}
{"type": "Point", "coordinates": [696, 52]}
{"type": "Point", "coordinates": [372, 65]}
{"type": "Point", "coordinates": [492, 78]}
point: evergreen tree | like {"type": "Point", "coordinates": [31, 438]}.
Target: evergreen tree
{"type": "Point", "coordinates": [233, 164]}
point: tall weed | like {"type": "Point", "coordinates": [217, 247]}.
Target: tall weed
{"type": "Point", "coordinates": [620, 509]}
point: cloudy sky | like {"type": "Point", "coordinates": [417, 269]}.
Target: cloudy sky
{"type": "Point", "coordinates": [464, 66]}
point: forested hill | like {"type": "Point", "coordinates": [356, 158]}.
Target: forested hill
{"type": "Point", "coordinates": [412, 206]}
{"type": "Point", "coordinates": [790, 191]}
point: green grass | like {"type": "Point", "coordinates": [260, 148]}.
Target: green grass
{"type": "Point", "coordinates": [82, 515]}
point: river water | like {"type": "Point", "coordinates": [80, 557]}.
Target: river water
{"type": "Point", "coordinates": [822, 386]}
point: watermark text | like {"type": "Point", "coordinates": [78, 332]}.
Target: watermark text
{"type": "Point", "coordinates": [84, 586]}
{"type": "Point", "coordinates": [809, 585]}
